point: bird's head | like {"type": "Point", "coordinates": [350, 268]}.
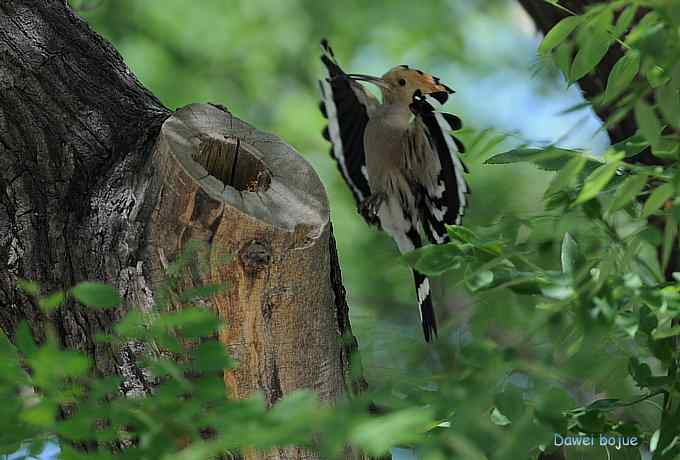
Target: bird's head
{"type": "Point", "coordinates": [400, 83]}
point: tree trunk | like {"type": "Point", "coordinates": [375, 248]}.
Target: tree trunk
{"type": "Point", "coordinates": [256, 203]}
{"type": "Point", "coordinates": [89, 190]}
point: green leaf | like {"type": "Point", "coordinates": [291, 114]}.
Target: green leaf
{"type": "Point", "coordinates": [524, 283]}
{"type": "Point", "coordinates": [627, 192]}
{"type": "Point", "coordinates": [604, 404]}
{"type": "Point", "coordinates": [96, 294]}
{"type": "Point", "coordinates": [649, 124]}
{"type": "Point", "coordinates": [70, 364]}
{"type": "Point", "coordinates": [668, 99]}
{"type": "Point", "coordinates": [567, 175]}
{"type": "Point", "coordinates": [378, 434]}
{"type": "Point", "coordinates": [51, 302]}
{"type": "Point", "coordinates": [665, 333]}
{"type": "Point", "coordinates": [460, 233]}
{"type": "Point", "coordinates": [592, 209]}
{"type": "Point", "coordinates": [587, 58]}
{"type": "Point", "coordinates": [646, 27]}
{"type": "Point", "coordinates": [675, 77]}
{"type": "Point", "coordinates": [132, 325]}
{"type": "Point", "coordinates": [656, 76]}
{"type": "Point", "coordinates": [190, 322]}
{"type": "Point", "coordinates": [558, 287]}
{"type": "Point", "coordinates": [666, 148]}
{"type": "Point", "coordinates": [647, 320]}
{"type": "Point", "coordinates": [480, 144]}
{"type": "Point", "coordinates": [298, 405]}
{"type": "Point", "coordinates": [591, 421]}
{"type": "Point", "coordinates": [434, 259]}
{"type": "Point", "coordinates": [625, 20]}
{"type": "Point", "coordinates": [10, 369]}
{"type": "Point", "coordinates": [497, 418]}
{"type": "Point", "coordinates": [551, 405]}
{"type": "Point", "coordinates": [657, 199]}
{"type": "Point", "coordinates": [592, 48]}
{"type": "Point", "coordinates": [576, 108]}
{"type": "Point", "coordinates": [562, 57]}
{"type": "Point", "coordinates": [76, 428]}
{"type": "Point", "coordinates": [211, 355]}
{"type": "Point", "coordinates": [42, 414]}
{"type": "Point", "coordinates": [640, 372]}
{"type": "Point", "coordinates": [596, 181]}
{"type": "Point", "coordinates": [570, 256]}
{"type": "Point", "coordinates": [480, 280]}
{"type": "Point", "coordinates": [631, 146]}
{"type": "Point", "coordinates": [510, 402]}
{"type": "Point", "coordinates": [654, 442]}
{"type": "Point", "coordinates": [559, 33]}
{"type": "Point", "coordinates": [550, 158]}
{"type": "Point", "coordinates": [29, 287]}
{"type": "Point", "coordinates": [24, 339]}
{"type": "Point", "coordinates": [622, 74]}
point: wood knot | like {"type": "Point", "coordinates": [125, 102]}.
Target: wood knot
{"type": "Point", "coordinates": [255, 256]}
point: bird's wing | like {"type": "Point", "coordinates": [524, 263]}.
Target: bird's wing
{"type": "Point", "coordinates": [436, 168]}
{"type": "Point", "coordinates": [347, 106]}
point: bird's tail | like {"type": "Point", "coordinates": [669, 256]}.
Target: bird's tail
{"type": "Point", "coordinates": [425, 305]}
{"type": "Point", "coordinates": [408, 241]}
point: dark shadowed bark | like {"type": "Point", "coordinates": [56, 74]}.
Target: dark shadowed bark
{"type": "Point", "coordinates": [88, 191]}
{"type": "Point", "coordinates": [76, 129]}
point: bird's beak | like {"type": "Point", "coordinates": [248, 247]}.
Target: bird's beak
{"type": "Point", "coordinates": [370, 79]}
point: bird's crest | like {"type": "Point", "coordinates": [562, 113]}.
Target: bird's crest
{"type": "Point", "coordinates": [417, 78]}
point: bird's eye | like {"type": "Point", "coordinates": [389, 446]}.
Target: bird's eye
{"type": "Point", "coordinates": [402, 82]}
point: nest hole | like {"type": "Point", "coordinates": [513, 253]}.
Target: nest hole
{"type": "Point", "coordinates": [234, 163]}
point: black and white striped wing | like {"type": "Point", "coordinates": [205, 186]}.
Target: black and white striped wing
{"type": "Point", "coordinates": [440, 176]}
{"type": "Point", "coordinates": [346, 105]}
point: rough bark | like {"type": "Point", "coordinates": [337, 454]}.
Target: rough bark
{"type": "Point", "coordinates": [263, 214]}
{"type": "Point", "coordinates": [89, 191]}
{"type": "Point", "coordinates": [76, 128]}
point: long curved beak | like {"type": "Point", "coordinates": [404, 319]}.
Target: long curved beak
{"type": "Point", "coordinates": [368, 78]}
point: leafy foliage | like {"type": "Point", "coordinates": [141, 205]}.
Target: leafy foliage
{"type": "Point", "coordinates": [611, 293]}
{"type": "Point", "coordinates": [52, 394]}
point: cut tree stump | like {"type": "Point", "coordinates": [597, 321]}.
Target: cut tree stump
{"type": "Point", "coordinates": [263, 216]}
{"type": "Point", "coordinates": [264, 213]}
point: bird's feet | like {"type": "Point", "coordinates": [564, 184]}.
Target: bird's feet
{"type": "Point", "coordinates": [370, 206]}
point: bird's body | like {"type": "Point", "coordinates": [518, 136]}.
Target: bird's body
{"type": "Point", "coordinates": [390, 172]}
{"type": "Point", "coordinates": [397, 157]}
{"type": "Point", "coordinates": [384, 137]}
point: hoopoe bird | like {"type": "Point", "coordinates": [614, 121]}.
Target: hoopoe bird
{"type": "Point", "coordinates": [398, 157]}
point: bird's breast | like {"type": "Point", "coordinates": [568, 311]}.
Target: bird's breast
{"type": "Point", "coordinates": [384, 147]}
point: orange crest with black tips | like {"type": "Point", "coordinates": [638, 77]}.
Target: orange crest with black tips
{"type": "Point", "coordinates": [404, 81]}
